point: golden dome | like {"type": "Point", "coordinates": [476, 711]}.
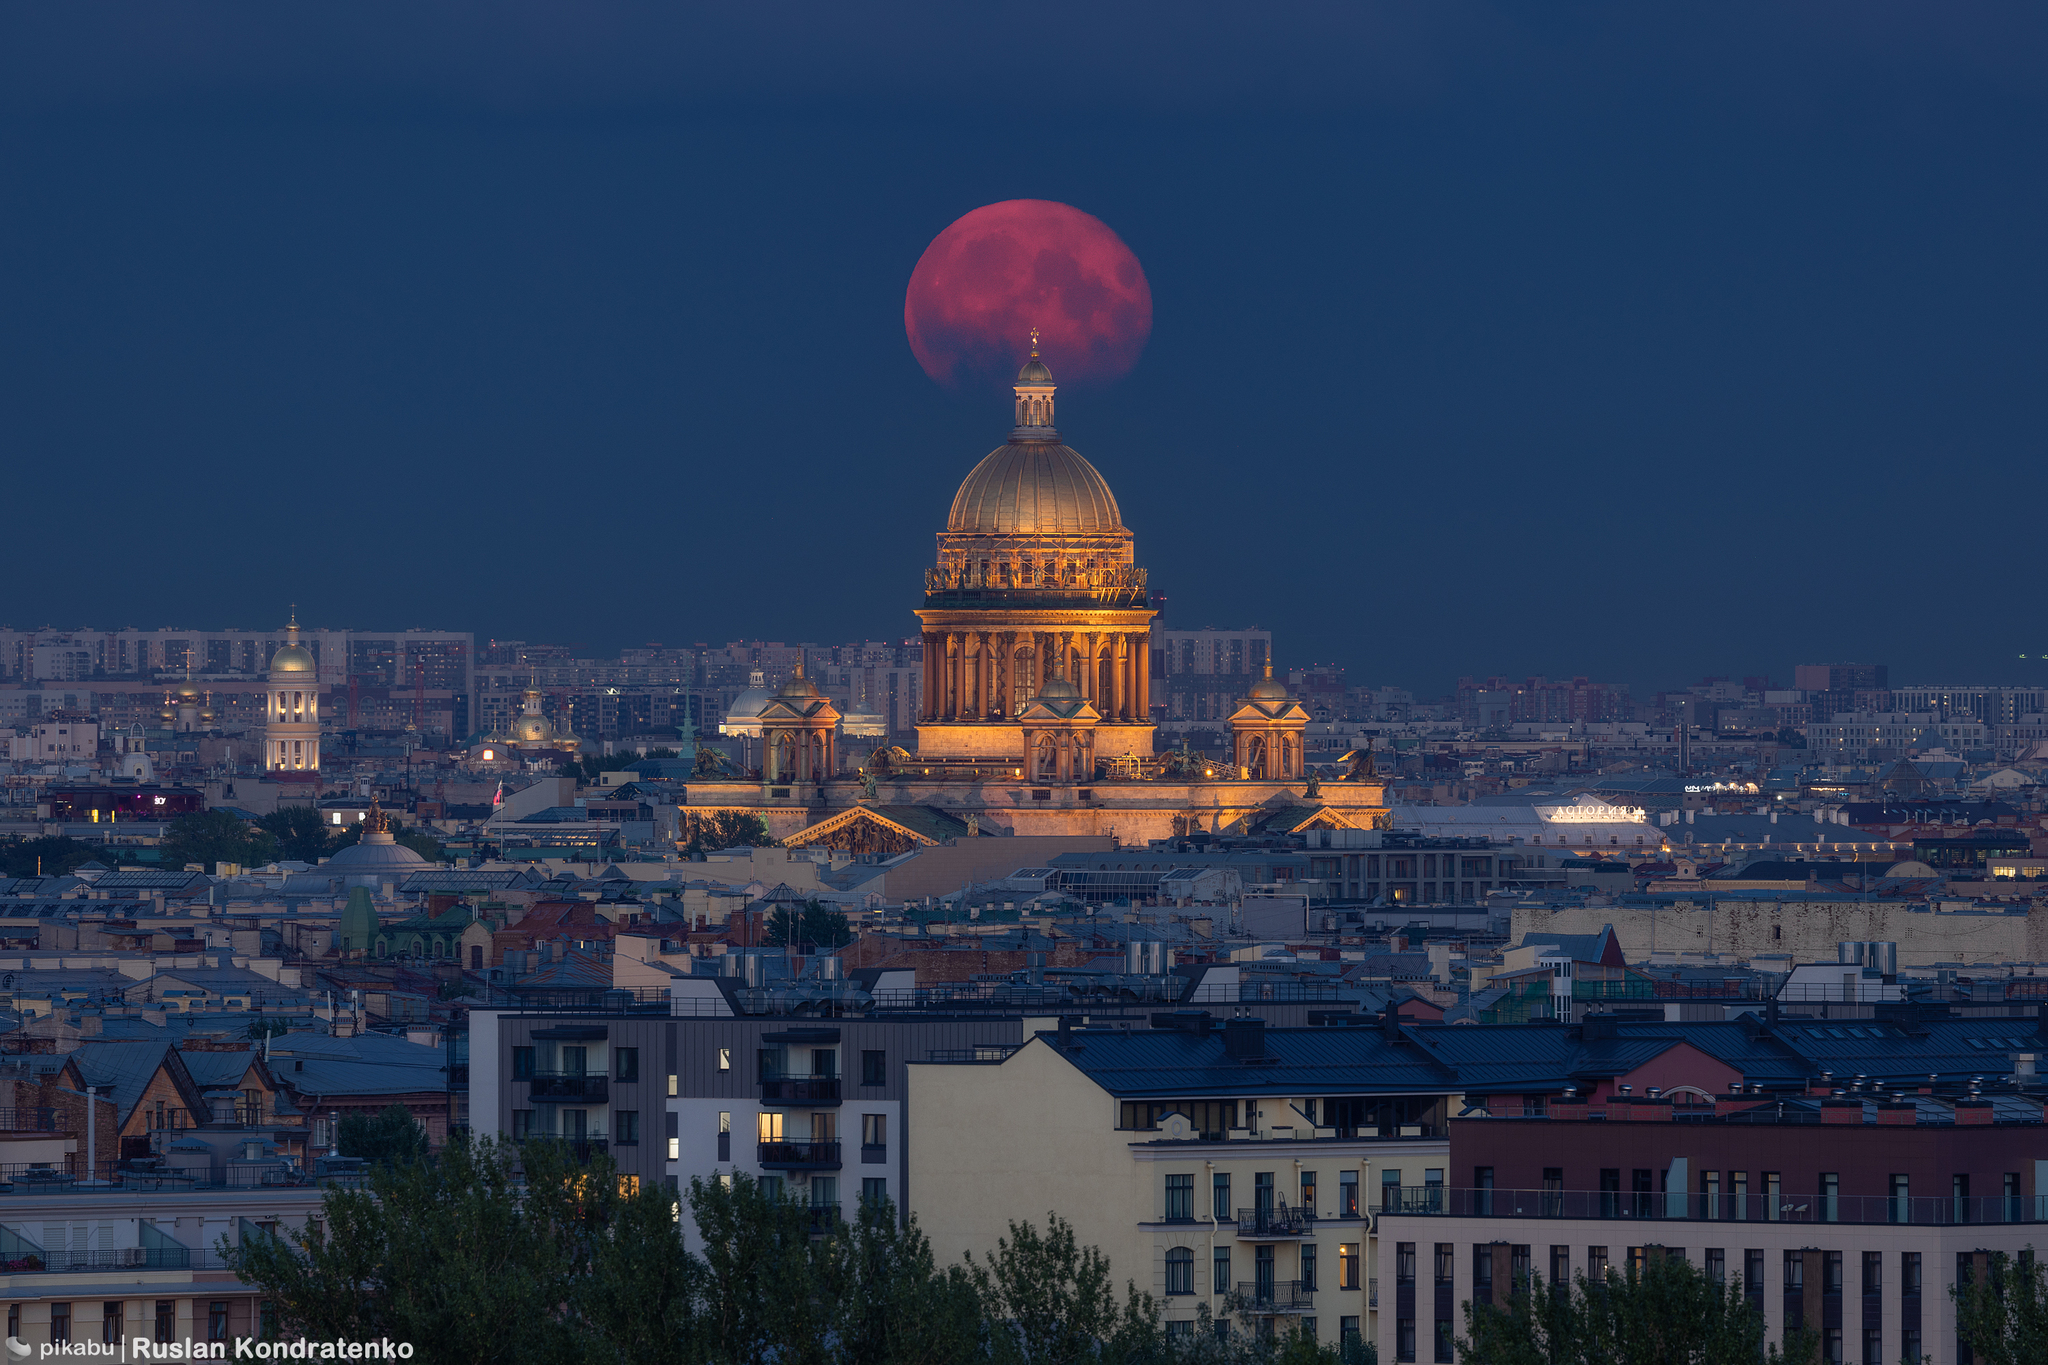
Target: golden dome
{"type": "Point", "coordinates": [292, 657]}
{"type": "Point", "coordinates": [1267, 689]}
{"type": "Point", "coordinates": [187, 691]}
{"type": "Point", "coordinates": [1034, 488]}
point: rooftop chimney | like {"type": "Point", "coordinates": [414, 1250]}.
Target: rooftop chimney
{"type": "Point", "coordinates": [1244, 1040]}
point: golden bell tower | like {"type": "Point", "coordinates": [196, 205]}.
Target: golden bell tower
{"type": "Point", "coordinates": [1036, 579]}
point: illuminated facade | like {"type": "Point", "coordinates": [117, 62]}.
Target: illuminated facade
{"type": "Point", "coordinates": [1035, 693]}
{"type": "Point", "coordinates": [291, 728]}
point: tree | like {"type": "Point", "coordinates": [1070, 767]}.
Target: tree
{"type": "Point", "coordinates": [1051, 1301]}
{"type": "Point", "coordinates": [215, 836]}
{"type": "Point", "coordinates": [891, 1304]}
{"type": "Point", "coordinates": [51, 856]}
{"type": "Point", "coordinates": [1666, 1313]}
{"type": "Point", "coordinates": [2004, 1314]}
{"type": "Point", "coordinates": [300, 835]}
{"type": "Point", "coordinates": [761, 1277]}
{"type": "Point", "coordinates": [390, 1139]}
{"type": "Point", "coordinates": [814, 924]}
{"type": "Point", "coordinates": [459, 1257]}
{"type": "Point", "coordinates": [1791, 739]}
{"type": "Point", "coordinates": [727, 829]}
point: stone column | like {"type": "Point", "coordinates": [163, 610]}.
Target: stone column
{"type": "Point", "coordinates": [1118, 661]}
{"type": "Point", "coordinates": [924, 702]}
{"type": "Point", "coordinates": [1142, 701]}
{"type": "Point", "coordinates": [956, 682]}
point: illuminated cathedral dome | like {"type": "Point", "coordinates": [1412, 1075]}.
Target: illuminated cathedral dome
{"type": "Point", "coordinates": [1033, 487]}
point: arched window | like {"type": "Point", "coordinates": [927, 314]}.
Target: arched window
{"type": "Point", "coordinates": [1180, 1271]}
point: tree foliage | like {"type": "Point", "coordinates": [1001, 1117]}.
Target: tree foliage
{"type": "Point", "coordinates": [215, 836]}
{"type": "Point", "coordinates": [813, 924]}
{"type": "Point", "coordinates": [2004, 1313]}
{"type": "Point", "coordinates": [727, 829]}
{"type": "Point", "coordinates": [1666, 1313]}
{"type": "Point", "coordinates": [51, 856]}
{"type": "Point", "coordinates": [491, 1254]}
{"type": "Point", "coordinates": [300, 835]}
{"type": "Point", "coordinates": [392, 1138]}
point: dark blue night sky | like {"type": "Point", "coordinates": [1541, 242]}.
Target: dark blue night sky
{"type": "Point", "coordinates": [1638, 341]}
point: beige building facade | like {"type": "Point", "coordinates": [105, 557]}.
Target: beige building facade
{"type": "Point", "coordinates": [1238, 1202]}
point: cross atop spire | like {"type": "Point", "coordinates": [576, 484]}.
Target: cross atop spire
{"type": "Point", "coordinates": [1034, 343]}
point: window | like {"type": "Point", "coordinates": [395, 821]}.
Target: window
{"type": "Point", "coordinates": [1831, 1271]}
{"type": "Point", "coordinates": [1596, 1264]}
{"type": "Point", "coordinates": [522, 1063]}
{"type": "Point", "coordinates": [1347, 1194]}
{"type": "Point", "coordinates": [1873, 1346]}
{"type": "Point", "coordinates": [1347, 1265]}
{"type": "Point", "coordinates": [1873, 1272]}
{"type": "Point", "coordinates": [1390, 1189]}
{"type": "Point", "coordinates": [1446, 1263]}
{"type": "Point", "coordinates": [60, 1322]}
{"type": "Point", "coordinates": [1404, 1339]}
{"type": "Point", "coordinates": [874, 1068]}
{"type": "Point", "coordinates": [1347, 1332]}
{"type": "Point", "coordinates": [768, 1126]}
{"type": "Point", "coordinates": [672, 1085]}
{"type": "Point", "coordinates": [1717, 1265]}
{"type": "Point", "coordinates": [1830, 1196]}
{"type": "Point", "coordinates": [1795, 1272]}
{"type": "Point", "coordinates": [626, 1126]}
{"type": "Point", "coordinates": [874, 1190]}
{"type": "Point", "coordinates": [1909, 1274]}
{"type": "Point", "coordinates": [110, 1321]}
{"type": "Point", "coordinates": [1753, 1273]}
{"type": "Point", "coordinates": [724, 1063]}
{"type": "Point", "coordinates": [1909, 1343]}
{"type": "Point", "coordinates": [1831, 1345]}
{"type": "Point", "coordinates": [166, 1320]}
{"type": "Point", "coordinates": [522, 1124]}
{"type": "Point", "coordinates": [1180, 1198]}
{"type": "Point", "coordinates": [625, 1063]}
{"type": "Point", "coordinates": [1220, 1192]}
{"type": "Point", "coordinates": [1404, 1263]}
{"type": "Point", "coordinates": [14, 1322]}
{"type": "Point", "coordinates": [1443, 1341]}
{"type": "Point", "coordinates": [1180, 1271]}
{"type": "Point", "coordinates": [217, 1320]}
{"type": "Point", "coordinates": [1308, 1193]}
{"type": "Point", "coordinates": [1308, 1265]}
{"type": "Point", "coordinates": [1560, 1266]}
{"type": "Point", "coordinates": [874, 1130]}
{"type": "Point", "coordinates": [1221, 1270]}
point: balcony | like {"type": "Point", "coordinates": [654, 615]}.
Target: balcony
{"type": "Point", "coordinates": [1268, 1225]}
{"type": "Point", "coordinates": [28, 1120]}
{"type": "Point", "coordinates": [799, 1156]}
{"type": "Point", "coordinates": [817, 1091]}
{"type": "Point", "coordinates": [1280, 1296]}
{"type": "Point", "coordinates": [570, 1087]}
{"type": "Point", "coordinates": [1681, 1206]}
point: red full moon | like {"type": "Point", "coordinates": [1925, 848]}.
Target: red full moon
{"type": "Point", "coordinates": [998, 272]}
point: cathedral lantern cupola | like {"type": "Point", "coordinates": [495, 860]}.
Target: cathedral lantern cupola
{"type": "Point", "coordinates": [1034, 390]}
